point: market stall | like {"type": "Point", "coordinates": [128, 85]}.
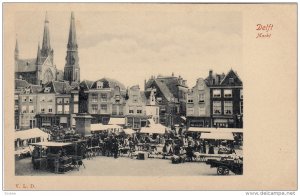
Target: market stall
{"type": "Point", "coordinates": [58, 157]}
{"type": "Point", "coordinates": [23, 138]}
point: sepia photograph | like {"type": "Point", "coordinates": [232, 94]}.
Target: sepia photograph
{"type": "Point", "coordinates": [137, 90]}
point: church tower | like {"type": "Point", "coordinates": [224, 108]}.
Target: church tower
{"type": "Point", "coordinates": [46, 47]}
{"type": "Point", "coordinates": [72, 69]}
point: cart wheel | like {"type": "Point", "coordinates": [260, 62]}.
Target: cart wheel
{"type": "Point", "coordinates": [226, 171]}
{"type": "Point", "coordinates": [220, 170]}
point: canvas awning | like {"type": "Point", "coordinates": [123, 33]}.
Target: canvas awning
{"type": "Point", "coordinates": [129, 131]}
{"type": "Point", "coordinates": [31, 133]}
{"type": "Point", "coordinates": [217, 136]}
{"type": "Point", "coordinates": [117, 121]}
{"type": "Point", "coordinates": [101, 127]}
{"type": "Point", "coordinates": [51, 144]}
{"type": "Point", "coordinates": [211, 130]}
{"type": "Point", "coordinates": [154, 128]}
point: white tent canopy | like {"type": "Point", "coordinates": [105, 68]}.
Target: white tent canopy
{"type": "Point", "coordinates": [31, 133]}
{"type": "Point", "coordinates": [129, 131]}
{"type": "Point", "coordinates": [154, 128]}
{"type": "Point", "coordinates": [51, 144]}
{"type": "Point", "coordinates": [217, 136]}
{"type": "Point", "coordinates": [117, 121]}
{"type": "Point", "coordinates": [211, 130]}
{"type": "Point", "coordinates": [101, 127]}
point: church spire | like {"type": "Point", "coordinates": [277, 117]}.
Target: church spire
{"type": "Point", "coordinates": [46, 48]}
{"type": "Point", "coordinates": [17, 50]}
{"type": "Point", "coordinates": [72, 41]}
{"type": "Point", "coordinates": [38, 56]}
{"type": "Point", "coordinates": [72, 69]}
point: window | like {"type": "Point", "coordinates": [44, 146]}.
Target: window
{"type": "Point", "coordinates": [228, 107]}
{"type": "Point", "coordinates": [190, 111]}
{"type": "Point", "coordinates": [217, 107]}
{"type": "Point", "coordinates": [139, 110]}
{"type": "Point", "coordinates": [24, 109]}
{"type": "Point", "coordinates": [129, 122]}
{"type": "Point", "coordinates": [30, 99]}
{"type": "Point", "coordinates": [202, 111]}
{"type": "Point", "coordinates": [131, 110]}
{"type": "Point", "coordinates": [228, 93]}
{"type": "Point", "coordinates": [94, 109]}
{"type": "Point", "coordinates": [59, 109]}
{"type": "Point", "coordinates": [137, 123]}
{"type": "Point", "coordinates": [114, 109]}
{"type": "Point", "coordinates": [49, 109]}
{"type": "Point", "coordinates": [31, 109]}
{"type": "Point", "coordinates": [94, 98]}
{"type": "Point", "coordinates": [135, 98]}
{"type": "Point", "coordinates": [231, 80]}
{"type": "Point", "coordinates": [24, 99]}
{"type": "Point", "coordinates": [59, 100]}
{"type": "Point", "coordinates": [159, 99]}
{"type": "Point", "coordinates": [66, 100]}
{"type": "Point", "coordinates": [241, 93]}
{"type": "Point", "coordinates": [241, 107]}
{"type": "Point", "coordinates": [201, 98]}
{"type": "Point", "coordinates": [103, 108]}
{"type": "Point", "coordinates": [42, 99]}
{"type": "Point", "coordinates": [47, 89]}
{"type": "Point", "coordinates": [42, 110]}
{"type": "Point", "coordinates": [104, 97]}
{"type": "Point", "coordinates": [216, 93]}
{"type": "Point", "coordinates": [99, 85]}
{"type": "Point", "coordinates": [75, 108]}
{"type": "Point", "coordinates": [190, 99]}
{"type": "Point", "coordinates": [120, 110]}
{"type": "Point", "coordinates": [67, 109]}
{"type": "Point", "coordinates": [75, 98]}
{"type": "Point", "coordinates": [117, 98]}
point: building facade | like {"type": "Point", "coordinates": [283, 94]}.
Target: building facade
{"type": "Point", "coordinates": [135, 109]}
{"type": "Point", "coordinates": [226, 92]}
{"type": "Point", "coordinates": [102, 99]}
{"type": "Point", "coordinates": [198, 105]}
{"type": "Point", "coordinates": [170, 94]}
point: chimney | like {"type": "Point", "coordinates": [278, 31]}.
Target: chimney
{"type": "Point", "coordinates": [210, 73]}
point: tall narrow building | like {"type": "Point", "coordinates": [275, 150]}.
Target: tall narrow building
{"type": "Point", "coordinates": [72, 69]}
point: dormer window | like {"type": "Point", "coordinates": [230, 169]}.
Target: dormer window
{"type": "Point", "coordinates": [99, 85]}
{"type": "Point", "coordinates": [47, 90]}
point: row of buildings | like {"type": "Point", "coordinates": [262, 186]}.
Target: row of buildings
{"type": "Point", "coordinates": [48, 97]}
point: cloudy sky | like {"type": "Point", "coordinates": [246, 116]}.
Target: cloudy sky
{"type": "Point", "coordinates": [130, 46]}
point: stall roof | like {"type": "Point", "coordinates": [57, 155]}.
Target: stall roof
{"type": "Point", "coordinates": [129, 131]}
{"type": "Point", "coordinates": [217, 136]}
{"type": "Point", "coordinates": [51, 144]}
{"type": "Point", "coordinates": [154, 128]}
{"type": "Point", "coordinates": [101, 127]}
{"type": "Point", "coordinates": [211, 130]}
{"type": "Point", "coordinates": [30, 133]}
{"type": "Point", "coordinates": [117, 121]}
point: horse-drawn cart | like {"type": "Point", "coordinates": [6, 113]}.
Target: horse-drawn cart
{"type": "Point", "coordinates": [224, 166]}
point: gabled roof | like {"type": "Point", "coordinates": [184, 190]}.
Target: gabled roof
{"type": "Point", "coordinates": [86, 84]}
{"type": "Point", "coordinates": [21, 83]}
{"type": "Point", "coordinates": [57, 87]}
{"type": "Point", "coordinates": [230, 74]}
{"type": "Point", "coordinates": [164, 89]}
{"type": "Point", "coordinates": [109, 83]}
{"type": "Point", "coordinates": [25, 65]}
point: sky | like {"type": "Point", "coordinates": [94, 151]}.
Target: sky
{"type": "Point", "coordinates": [131, 46]}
